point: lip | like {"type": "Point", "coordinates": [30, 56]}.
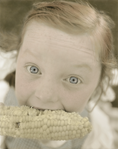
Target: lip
{"type": "Point", "coordinates": [46, 109]}
{"type": "Point", "coordinates": [37, 108]}
{"type": "Point", "coordinates": [42, 108]}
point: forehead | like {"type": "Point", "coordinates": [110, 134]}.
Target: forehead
{"type": "Point", "coordinates": [40, 33]}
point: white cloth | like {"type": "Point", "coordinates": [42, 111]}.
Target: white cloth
{"type": "Point", "coordinates": [7, 63]}
{"type": "Point", "coordinates": [102, 136]}
{"type": "Point", "coordinates": [4, 87]}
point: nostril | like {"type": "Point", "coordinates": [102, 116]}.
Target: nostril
{"type": "Point", "coordinates": [46, 93]}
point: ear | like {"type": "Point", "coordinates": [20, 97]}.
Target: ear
{"type": "Point", "coordinates": [93, 101]}
{"type": "Point", "coordinates": [100, 89]}
{"type": "Point", "coordinates": [97, 92]}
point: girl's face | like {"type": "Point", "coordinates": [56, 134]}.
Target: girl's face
{"type": "Point", "coordinates": [56, 70]}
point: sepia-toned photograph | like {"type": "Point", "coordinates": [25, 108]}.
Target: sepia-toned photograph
{"type": "Point", "coordinates": [58, 74]}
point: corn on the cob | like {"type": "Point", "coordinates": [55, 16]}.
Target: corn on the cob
{"type": "Point", "coordinates": [26, 122]}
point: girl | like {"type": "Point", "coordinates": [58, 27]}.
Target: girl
{"type": "Point", "coordinates": [64, 58]}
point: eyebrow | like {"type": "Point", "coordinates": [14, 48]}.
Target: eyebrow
{"type": "Point", "coordinates": [29, 52]}
{"type": "Point", "coordinates": [82, 65]}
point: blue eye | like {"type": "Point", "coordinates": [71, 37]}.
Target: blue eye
{"type": "Point", "coordinates": [74, 80]}
{"type": "Point", "coordinates": [33, 69]}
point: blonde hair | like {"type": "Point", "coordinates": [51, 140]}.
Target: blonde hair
{"type": "Point", "coordinates": [77, 18]}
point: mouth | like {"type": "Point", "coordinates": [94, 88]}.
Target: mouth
{"type": "Point", "coordinates": [47, 109]}
{"type": "Point", "coordinates": [37, 108]}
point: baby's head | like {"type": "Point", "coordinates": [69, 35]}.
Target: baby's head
{"type": "Point", "coordinates": [65, 54]}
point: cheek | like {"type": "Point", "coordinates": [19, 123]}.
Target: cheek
{"type": "Point", "coordinates": [76, 101]}
{"type": "Point", "coordinates": [22, 88]}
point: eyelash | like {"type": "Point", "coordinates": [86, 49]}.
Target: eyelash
{"type": "Point", "coordinates": [68, 79]}
{"type": "Point", "coordinates": [79, 81]}
{"type": "Point", "coordinates": [29, 67]}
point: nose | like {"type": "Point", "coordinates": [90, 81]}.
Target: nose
{"type": "Point", "coordinates": [46, 90]}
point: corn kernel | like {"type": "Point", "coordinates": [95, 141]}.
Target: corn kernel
{"type": "Point", "coordinates": [25, 122]}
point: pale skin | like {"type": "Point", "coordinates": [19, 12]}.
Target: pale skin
{"type": "Point", "coordinates": [65, 71]}
{"type": "Point", "coordinates": [56, 70]}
